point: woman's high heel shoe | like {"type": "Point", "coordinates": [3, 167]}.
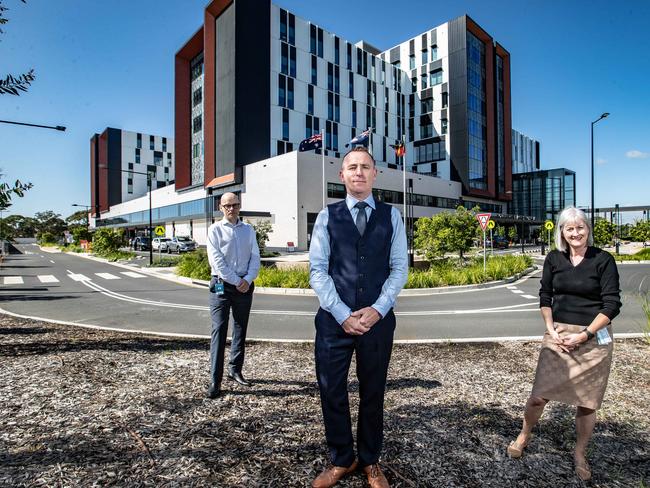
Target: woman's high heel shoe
{"type": "Point", "coordinates": [515, 450]}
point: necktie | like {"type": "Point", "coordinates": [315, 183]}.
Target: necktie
{"type": "Point", "coordinates": [362, 218]}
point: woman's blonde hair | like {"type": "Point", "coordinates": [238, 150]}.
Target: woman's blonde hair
{"type": "Point", "coordinates": [568, 215]}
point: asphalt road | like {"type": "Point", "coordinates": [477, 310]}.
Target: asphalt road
{"type": "Point", "coordinates": [70, 288]}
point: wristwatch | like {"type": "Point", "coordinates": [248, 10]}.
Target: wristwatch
{"type": "Point", "coordinates": [590, 334]}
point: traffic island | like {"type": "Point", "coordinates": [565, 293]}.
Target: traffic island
{"type": "Point", "coordinates": [83, 407]}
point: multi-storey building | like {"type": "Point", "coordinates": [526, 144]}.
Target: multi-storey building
{"type": "Point", "coordinates": [255, 80]}
{"type": "Point", "coordinates": [525, 153]}
{"type": "Point", "coordinates": [119, 163]}
{"type": "Point", "coordinates": [543, 194]}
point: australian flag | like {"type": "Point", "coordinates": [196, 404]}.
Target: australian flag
{"type": "Point", "coordinates": [313, 142]}
{"type": "Point", "coordinates": [360, 139]}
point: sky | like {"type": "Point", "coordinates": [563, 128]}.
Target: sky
{"type": "Point", "coordinates": [105, 64]}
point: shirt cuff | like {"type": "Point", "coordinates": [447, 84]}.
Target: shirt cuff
{"type": "Point", "coordinates": [382, 308]}
{"type": "Point", "coordinates": [249, 279]}
{"type": "Point", "coordinates": [341, 312]}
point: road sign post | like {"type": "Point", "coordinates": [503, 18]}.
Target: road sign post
{"type": "Point", "coordinates": [490, 226]}
{"type": "Point", "coordinates": [548, 225]}
{"type": "Point", "coordinates": [483, 219]}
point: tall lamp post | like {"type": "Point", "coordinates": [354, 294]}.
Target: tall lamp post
{"type": "Point", "coordinates": [87, 207]}
{"type": "Point", "coordinates": [149, 177]}
{"type": "Point", "coordinates": [593, 208]}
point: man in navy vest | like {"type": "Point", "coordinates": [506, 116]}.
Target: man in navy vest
{"type": "Point", "coordinates": [359, 263]}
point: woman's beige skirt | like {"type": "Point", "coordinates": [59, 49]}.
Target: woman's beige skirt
{"type": "Point", "coordinates": [578, 377]}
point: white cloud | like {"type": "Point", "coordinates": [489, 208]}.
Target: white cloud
{"type": "Point", "coordinates": [634, 154]}
{"type": "Point", "coordinates": [601, 161]}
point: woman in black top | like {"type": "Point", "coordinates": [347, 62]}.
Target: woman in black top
{"type": "Point", "coordinates": [579, 296]}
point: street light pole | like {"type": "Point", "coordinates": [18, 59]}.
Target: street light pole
{"type": "Point", "coordinates": [593, 208]}
{"type": "Point", "coordinates": [55, 127]}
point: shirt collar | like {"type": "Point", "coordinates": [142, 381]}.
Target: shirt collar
{"type": "Point", "coordinates": [224, 221]}
{"type": "Point", "coordinates": [350, 201]}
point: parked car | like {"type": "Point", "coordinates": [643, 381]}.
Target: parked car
{"type": "Point", "coordinates": [141, 243]}
{"type": "Point", "coordinates": [160, 244]}
{"type": "Point", "coordinates": [501, 242]}
{"type": "Point", "coordinates": [181, 244]}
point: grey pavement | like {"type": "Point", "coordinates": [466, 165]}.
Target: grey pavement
{"type": "Point", "coordinates": [69, 288]}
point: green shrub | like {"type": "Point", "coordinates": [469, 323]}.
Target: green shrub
{"type": "Point", "coordinates": [642, 255]}
{"type": "Point", "coordinates": [194, 265]}
{"type": "Point", "coordinates": [46, 238]}
{"type": "Point", "coordinates": [107, 242]}
{"type": "Point", "coordinates": [297, 277]}
{"type": "Point", "coordinates": [164, 261]}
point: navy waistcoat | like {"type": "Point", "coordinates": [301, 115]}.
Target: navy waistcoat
{"type": "Point", "coordinates": [359, 266]}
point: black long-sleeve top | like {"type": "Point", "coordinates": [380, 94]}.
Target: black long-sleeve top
{"type": "Point", "coordinates": [577, 294]}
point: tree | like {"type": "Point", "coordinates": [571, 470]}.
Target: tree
{"type": "Point", "coordinates": [80, 217]}
{"type": "Point", "coordinates": [641, 231]}
{"type": "Point", "coordinates": [107, 241]}
{"type": "Point", "coordinates": [17, 226]}
{"type": "Point", "coordinates": [8, 191]}
{"type": "Point", "coordinates": [499, 231]}
{"type": "Point", "coordinates": [446, 232]}
{"type": "Point", "coordinates": [512, 233]}
{"type": "Point", "coordinates": [51, 223]}
{"type": "Point", "coordinates": [604, 232]}
{"type": "Point", "coordinates": [13, 85]}
{"type": "Point", "coordinates": [262, 230]}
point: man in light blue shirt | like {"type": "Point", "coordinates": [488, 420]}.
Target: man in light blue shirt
{"type": "Point", "coordinates": [359, 264]}
{"type": "Point", "coordinates": [235, 262]}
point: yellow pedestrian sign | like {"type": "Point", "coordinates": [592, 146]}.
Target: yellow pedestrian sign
{"type": "Point", "coordinates": [160, 230]}
{"type": "Point", "coordinates": [548, 225]}
{"type": "Point", "coordinates": [491, 224]}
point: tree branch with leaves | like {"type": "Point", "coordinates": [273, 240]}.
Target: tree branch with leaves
{"type": "Point", "coordinates": [11, 84]}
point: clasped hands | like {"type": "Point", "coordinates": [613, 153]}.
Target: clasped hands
{"type": "Point", "coordinates": [360, 321]}
{"type": "Point", "coordinates": [569, 342]}
{"type": "Point", "coordinates": [243, 286]}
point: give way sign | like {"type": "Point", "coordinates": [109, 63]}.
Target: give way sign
{"type": "Point", "coordinates": [483, 219]}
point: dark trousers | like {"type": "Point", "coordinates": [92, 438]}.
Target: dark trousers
{"type": "Point", "coordinates": [220, 306]}
{"type": "Point", "coordinates": [334, 349]}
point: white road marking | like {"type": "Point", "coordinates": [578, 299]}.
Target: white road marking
{"type": "Point", "coordinates": [510, 287]}
{"type": "Point", "coordinates": [530, 297]}
{"type": "Point", "coordinates": [78, 277]}
{"type": "Point", "coordinates": [52, 261]}
{"type": "Point", "coordinates": [108, 276]}
{"type": "Point", "coordinates": [14, 280]}
{"type": "Point", "coordinates": [132, 274]}
{"type": "Point", "coordinates": [516, 291]}
{"type": "Point", "coordinates": [48, 279]}
{"type": "Point", "coordinates": [29, 252]}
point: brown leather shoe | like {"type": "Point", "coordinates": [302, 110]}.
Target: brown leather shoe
{"type": "Point", "coordinates": [376, 478]}
{"type": "Point", "coordinates": [332, 475]}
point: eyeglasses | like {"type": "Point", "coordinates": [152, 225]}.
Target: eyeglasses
{"type": "Point", "coordinates": [228, 206]}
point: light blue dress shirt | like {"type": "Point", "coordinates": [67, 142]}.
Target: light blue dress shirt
{"type": "Point", "coordinates": [319, 257]}
{"type": "Point", "coordinates": [232, 251]}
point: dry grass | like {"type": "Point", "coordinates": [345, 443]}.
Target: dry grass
{"type": "Point", "coordinates": [90, 408]}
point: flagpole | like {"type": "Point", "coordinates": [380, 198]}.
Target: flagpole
{"type": "Point", "coordinates": [404, 181]}
{"type": "Point", "coordinates": [322, 153]}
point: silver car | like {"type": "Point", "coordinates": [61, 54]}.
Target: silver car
{"type": "Point", "coordinates": [181, 244]}
{"type": "Point", "coordinates": [160, 244]}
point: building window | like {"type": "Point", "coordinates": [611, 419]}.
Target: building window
{"type": "Point", "coordinates": [314, 70]}
{"type": "Point", "coordinates": [197, 124]}
{"type": "Point", "coordinates": [282, 90]}
{"type": "Point", "coordinates": [330, 76]}
{"type": "Point", "coordinates": [425, 56]}
{"type": "Point", "coordinates": [308, 125]}
{"type": "Point", "coordinates": [435, 77]}
{"type": "Point", "coordinates": [320, 42]}
{"type": "Point", "coordinates": [476, 113]}
{"type": "Point", "coordinates": [292, 29]}
{"type": "Point", "coordinates": [285, 124]}
{"type": "Point", "coordinates": [196, 150]}
{"type": "Point", "coordinates": [328, 135]}
{"type": "Point", "coordinates": [284, 58]}
{"type": "Point", "coordinates": [330, 106]}
{"type": "Point", "coordinates": [443, 126]}
{"type": "Point", "coordinates": [130, 165]}
{"type": "Point", "coordinates": [139, 141]}
{"type": "Point", "coordinates": [196, 69]}
{"type": "Point", "coordinates": [290, 93]}
{"type": "Point", "coordinates": [337, 108]}
{"type": "Point", "coordinates": [426, 130]}
{"type": "Point", "coordinates": [335, 137]}
{"type": "Point", "coordinates": [414, 84]}
{"type": "Point", "coordinates": [151, 143]}
{"type": "Point", "coordinates": [312, 38]}
{"type": "Point", "coordinates": [423, 81]}
{"type": "Point", "coordinates": [337, 79]}
{"type": "Point", "coordinates": [337, 53]}
{"type": "Point", "coordinates": [412, 61]}
{"type": "Point", "coordinates": [349, 60]}
{"type": "Point", "coordinates": [426, 105]}
{"type": "Point", "coordinates": [137, 156]}
{"type": "Point", "coordinates": [359, 62]}
{"type": "Point", "coordinates": [445, 99]}
{"type": "Point", "coordinates": [434, 53]}
{"type": "Point", "coordinates": [351, 84]}
{"type": "Point", "coordinates": [310, 99]}
{"type": "Point", "coordinates": [354, 113]}
{"type": "Point", "coordinates": [292, 61]}
{"type": "Point", "coordinates": [283, 25]}
{"type": "Point", "coordinates": [158, 158]}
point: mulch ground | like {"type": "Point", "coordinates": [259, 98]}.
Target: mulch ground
{"type": "Point", "coordinates": [81, 407]}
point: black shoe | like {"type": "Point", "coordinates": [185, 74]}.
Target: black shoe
{"type": "Point", "coordinates": [213, 392]}
{"type": "Point", "coordinates": [239, 379]}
